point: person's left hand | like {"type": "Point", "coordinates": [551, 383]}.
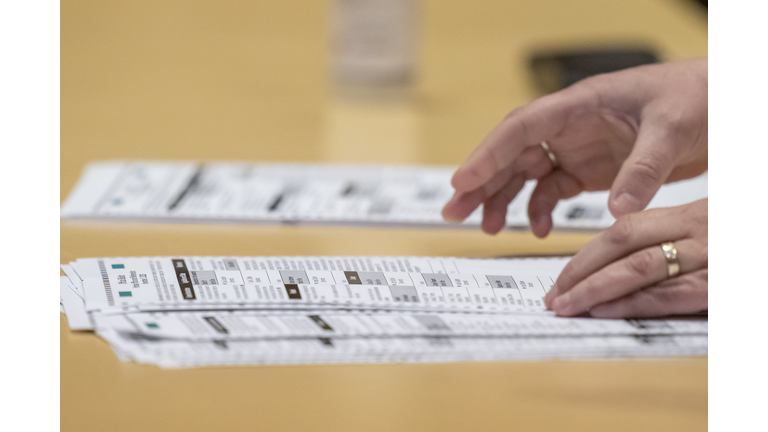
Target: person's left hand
{"type": "Point", "coordinates": [622, 273]}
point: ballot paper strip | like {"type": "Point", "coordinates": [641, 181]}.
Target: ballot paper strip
{"type": "Point", "coordinates": [380, 337]}
{"type": "Point", "coordinates": [206, 323]}
{"type": "Point", "coordinates": [251, 325]}
{"type": "Point", "coordinates": [411, 283]}
{"type": "Point", "coordinates": [74, 306]}
{"type": "Point", "coordinates": [402, 196]}
{"type": "Point", "coordinates": [312, 323]}
{"type": "Point", "coordinates": [182, 353]}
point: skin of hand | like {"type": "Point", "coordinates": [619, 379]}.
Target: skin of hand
{"type": "Point", "coordinates": [623, 271]}
{"type": "Point", "coordinates": [628, 131]}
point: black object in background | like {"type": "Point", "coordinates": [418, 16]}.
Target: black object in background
{"type": "Point", "coordinates": [703, 3]}
{"type": "Point", "coordinates": [554, 71]}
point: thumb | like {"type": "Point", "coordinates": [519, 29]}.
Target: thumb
{"type": "Point", "coordinates": [641, 175]}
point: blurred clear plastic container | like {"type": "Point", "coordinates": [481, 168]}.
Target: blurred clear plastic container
{"type": "Point", "coordinates": [373, 51]}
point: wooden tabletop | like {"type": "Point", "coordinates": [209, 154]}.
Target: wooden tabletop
{"type": "Point", "coordinates": [250, 80]}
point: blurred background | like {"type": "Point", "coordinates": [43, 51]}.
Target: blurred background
{"type": "Point", "coordinates": [377, 81]}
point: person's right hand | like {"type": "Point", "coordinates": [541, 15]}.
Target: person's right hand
{"type": "Point", "coordinates": [629, 131]}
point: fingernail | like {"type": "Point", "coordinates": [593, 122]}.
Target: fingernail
{"type": "Point", "coordinates": [561, 303]}
{"type": "Point", "coordinates": [551, 294]}
{"type": "Point", "coordinates": [446, 212]}
{"type": "Point", "coordinates": [542, 225]}
{"type": "Point", "coordinates": [450, 218]}
{"type": "Point", "coordinates": [627, 203]}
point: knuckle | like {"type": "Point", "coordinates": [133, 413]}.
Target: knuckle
{"type": "Point", "coordinates": [689, 293]}
{"type": "Point", "coordinates": [590, 85]}
{"type": "Point", "coordinates": [591, 289]}
{"type": "Point", "coordinates": [684, 293]}
{"type": "Point", "coordinates": [695, 220]}
{"type": "Point", "coordinates": [696, 214]}
{"type": "Point", "coordinates": [648, 171]}
{"type": "Point", "coordinates": [673, 123]}
{"type": "Point", "coordinates": [513, 113]}
{"type": "Point", "coordinates": [570, 275]}
{"type": "Point", "coordinates": [681, 125]}
{"type": "Point", "coordinates": [621, 231]}
{"type": "Point", "coordinates": [642, 263]}
{"type": "Point", "coordinates": [475, 172]}
{"type": "Point", "coordinates": [682, 128]}
{"type": "Point", "coordinates": [695, 282]}
{"type": "Point", "coordinates": [686, 285]}
{"type": "Point", "coordinates": [660, 295]}
{"type": "Point", "coordinates": [565, 279]}
{"type": "Point", "coordinates": [542, 204]}
{"type": "Point", "coordinates": [653, 302]}
{"type": "Point", "coordinates": [524, 123]}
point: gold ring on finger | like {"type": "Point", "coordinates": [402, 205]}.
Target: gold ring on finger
{"type": "Point", "coordinates": [550, 154]}
{"type": "Point", "coordinates": [670, 253]}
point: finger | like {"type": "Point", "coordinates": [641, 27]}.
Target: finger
{"type": "Point", "coordinates": [533, 163]}
{"type": "Point", "coordinates": [549, 190]}
{"type": "Point", "coordinates": [641, 269]}
{"type": "Point", "coordinates": [464, 203]}
{"type": "Point", "coordinates": [684, 294]}
{"type": "Point", "coordinates": [522, 128]}
{"type": "Point", "coordinates": [648, 166]}
{"type": "Point", "coordinates": [495, 208]}
{"type": "Point", "coordinates": [628, 234]}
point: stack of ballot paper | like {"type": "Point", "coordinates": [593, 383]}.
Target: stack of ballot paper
{"type": "Point", "coordinates": [396, 196]}
{"type": "Point", "coordinates": [203, 311]}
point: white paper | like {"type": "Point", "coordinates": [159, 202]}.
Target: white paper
{"type": "Point", "coordinates": [163, 283]}
{"type": "Point", "coordinates": [182, 353]}
{"type": "Point", "coordinates": [73, 306]}
{"type": "Point", "coordinates": [200, 311]}
{"type": "Point", "coordinates": [378, 195]}
{"type": "Point", "coordinates": [75, 283]}
{"type": "Point", "coordinates": [251, 325]}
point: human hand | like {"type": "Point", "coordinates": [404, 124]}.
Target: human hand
{"type": "Point", "coordinates": [622, 273]}
{"type": "Point", "coordinates": [628, 131]}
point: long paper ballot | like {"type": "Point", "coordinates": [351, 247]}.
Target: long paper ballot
{"type": "Point", "coordinates": [252, 325]}
{"type": "Point", "coordinates": [213, 311]}
{"type": "Point", "coordinates": [319, 194]}
{"type": "Point", "coordinates": [159, 283]}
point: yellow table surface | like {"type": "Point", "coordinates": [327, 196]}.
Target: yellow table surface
{"type": "Point", "coordinates": [249, 80]}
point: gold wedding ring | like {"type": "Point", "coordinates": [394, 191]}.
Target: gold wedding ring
{"type": "Point", "coordinates": [550, 154]}
{"type": "Point", "coordinates": [670, 253]}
